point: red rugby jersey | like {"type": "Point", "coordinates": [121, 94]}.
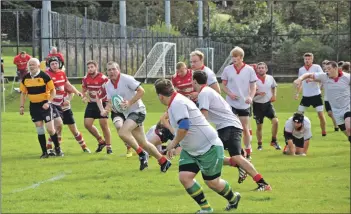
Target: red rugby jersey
{"type": "Point", "coordinates": [184, 85]}
{"type": "Point", "coordinates": [59, 78]}
{"type": "Point", "coordinates": [93, 85]}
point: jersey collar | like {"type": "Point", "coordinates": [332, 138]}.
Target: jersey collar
{"type": "Point", "coordinates": [172, 98]}
{"type": "Point", "coordinates": [202, 87]}
{"type": "Point", "coordinates": [239, 69]}
{"type": "Point", "coordinates": [115, 84]}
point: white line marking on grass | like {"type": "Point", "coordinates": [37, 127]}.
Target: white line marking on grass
{"type": "Point", "coordinates": [55, 178]}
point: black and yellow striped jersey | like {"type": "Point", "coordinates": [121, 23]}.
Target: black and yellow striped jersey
{"type": "Point", "coordinates": [37, 88]}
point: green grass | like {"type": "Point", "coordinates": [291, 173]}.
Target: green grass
{"type": "Point", "coordinates": [87, 183]}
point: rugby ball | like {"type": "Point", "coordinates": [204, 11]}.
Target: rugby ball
{"type": "Point", "coordinates": [116, 101]}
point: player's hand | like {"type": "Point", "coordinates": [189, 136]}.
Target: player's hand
{"type": "Point", "coordinates": [21, 111]}
{"type": "Point", "coordinates": [46, 106]}
{"type": "Point", "coordinates": [170, 154]}
{"type": "Point", "coordinates": [233, 96]}
{"type": "Point", "coordinates": [194, 95]}
{"type": "Point", "coordinates": [79, 94]}
{"type": "Point", "coordinates": [296, 96]}
{"type": "Point", "coordinates": [125, 104]}
{"type": "Point", "coordinates": [85, 99]}
{"type": "Point", "coordinates": [262, 93]}
{"type": "Point", "coordinates": [273, 99]}
{"type": "Point", "coordinates": [248, 100]}
{"type": "Point", "coordinates": [104, 113]}
{"type": "Point", "coordinates": [309, 80]}
{"type": "Point", "coordinates": [164, 117]}
{"type": "Point", "coordinates": [66, 103]}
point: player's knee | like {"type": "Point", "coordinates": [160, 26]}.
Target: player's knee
{"type": "Point", "coordinates": [40, 130]}
{"type": "Point", "coordinates": [330, 113]}
{"type": "Point", "coordinates": [275, 121]}
{"type": "Point", "coordinates": [124, 134]}
{"type": "Point", "coordinates": [212, 184]}
{"type": "Point", "coordinates": [88, 125]}
{"type": "Point", "coordinates": [185, 180]}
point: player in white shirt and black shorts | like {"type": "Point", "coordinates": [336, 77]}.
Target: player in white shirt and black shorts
{"type": "Point", "coordinates": [217, 111]}
{"type": "Point", "coordinates": [202, 150]}
{"type": "Point", "coordinates": [132, 130]}
{"type": "Point", "coordinates": [262, 104]}
{"type": "Point", "coordinates": [297, 134]}
{"type": "Point", "coordinates": [337, 85]}
{"type": "Point", "coordinates": [327, 106]}
{"type": "Point", "coordinates": [239, 84]}
{"type": "Point", "coordinates": [311, 91]}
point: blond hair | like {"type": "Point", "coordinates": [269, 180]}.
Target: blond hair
{"type": "Point", "coordinates": [237, 51]}
{"type": "Point", "coordinates": [308, 54]}
{"type": "Point", "coordinates": [180, 65]}
{"type": "Point", "coordinates": [197, 53]}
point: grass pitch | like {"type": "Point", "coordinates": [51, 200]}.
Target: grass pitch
{"type": "Point", "coordinates": [101, 183]}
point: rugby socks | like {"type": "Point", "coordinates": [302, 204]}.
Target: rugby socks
{"type": "Point", "coordinates": [100, 140]}
{"type": "Point", "coordinates": [162, 160]}
{"type": "Point", "coordinates": [274, 139]}
{"type": "Point", "coordinates": [248, 152]}
{"type": "Point", "coordinates": [232, 163]}
{"type": "Point", "coordinates": [197, 194]}
{"type": "Point", "coordinates": [42, 141]}
{"type": "Point", "coordinates": [79, 138]}
{"type": "Point", "coordinates": [227, 193]}
{"type": "Point", "coordinates": [140, 152]}
{"type": "Point", "coordinates": [259, 143]}
{"type": "Point", "coordinates": [259, 179]}
{"type": "Point", "coordinates": [55, 140]}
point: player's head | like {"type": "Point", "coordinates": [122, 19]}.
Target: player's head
{"type": "Point", "coordinates": [324, 64]}
{"type": "Point", "coordinates": [181, 69]}
{"type": "Point", "coordinates": [54, 63]}
{"type": "Point", "coordinates": [332, 69]}
{"type": "Point", "coordinates": [23, 54]}
{"type": "Point", "coordinates": [92, 67]}
{"type": "Point", "coordinates": [33, 65]}
{"type": "Point", "coordinates": [164, 89]}
{"type": "Point", "coordinates": [262, 68]}
{"type": "Point", "coordinates": [308, 58]}
{"type": "Point", "coordinates": [340, 63]}
{"type": "Point", "coordinates": [237, 55]}
{"type": "Point", "coordinates": [199, 79]}
{"type": "Point", "coordinates": [113, 70]}
{"type": "Point", "coordinates": [196, 60]}
{"type": "Point", "coordinates": [346, 67]}
{"type": "Point", "coordinates": [53, 50]}
{"type": "Point", "coordinates": [298, 118]}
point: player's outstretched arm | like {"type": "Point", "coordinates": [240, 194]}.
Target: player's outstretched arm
{"type": "Point", "coordinates": [22, 101]}
{"type": "Point", "coordinates": [140, 93]}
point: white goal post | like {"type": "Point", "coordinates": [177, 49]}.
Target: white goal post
{"type": "Point", "coordinates": [225, 64]}
{"type": "Point", "coordinates": [160, 62]}
{"type": "Point", "coordinates": [209, 55]}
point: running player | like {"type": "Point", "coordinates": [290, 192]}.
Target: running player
{"type": "Point", "coordinates": [202, 150]}
{"type": "Point", "coordinates": [40, 90]}
{"type": "Point", "coordinates": [311, 91]}
{"type": "Point", "coordinates": [132, 130]}
{"type": "Point", "coordinates": [337, 86]}
{"type": "Point", "coordinates": [262, 104]}
{"type": "Point", "coordinates": [91, 93]}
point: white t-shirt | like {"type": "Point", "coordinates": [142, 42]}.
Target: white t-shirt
{"type": "Point", "coordinates": [201, 136]}
{"type": "Point", "coordinates": [126, 88]}
{"type": "Point", "coordinates": [310, 89]}
{"type": "Point", "coordinates": [151, 133]}
{"type": "Point", "coordinates": [239, 84]}
{"type": "Point", "coordinates": [211, 76]}
{"type": "Point", "coordinates": [337, 91]}
{"type": "Point", "coordinates": [219, 111]}
{"type": "Point", "coordinates": [265, 86]}
{"type": "Point", "coordinates": [305, 132]}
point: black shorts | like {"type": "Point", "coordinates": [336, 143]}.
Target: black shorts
{"type": "Point", "coordinates": [347, 114]}
{"type": "Point", "coordinates": [92, 111]}
{"type": "Point", "coordinates": [298, 142]}
{"type": "Point", "coordinates": [312, 101]}
{"type": "Point", "coordinates": [68, 118]}
{"type": "Point", "coordinates": [242, 112]}
{"type": "Point", "coordinates": [231, 139]}
{"type": "Point", "coordinates": [327, 106]}
{"type": "Point", "coordinates": [262, 110]}
{"type": "Point", "coordinates": [164, 134]}
{"type": "Point", "coordinates": [39, 114]}
{"type": "Point", "coordinates": [137, 117]}
{"type": "Point", "coordinates": [117, 114]}
{"type": "Point", "coordinates": [56, 111]}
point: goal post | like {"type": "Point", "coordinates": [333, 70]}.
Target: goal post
{"type": "Point", "coordinates": [160, 62]}
{"type": "Point", "coordinates": [225, 64]}
{"type": "Point", "coordinates": [209, 56]}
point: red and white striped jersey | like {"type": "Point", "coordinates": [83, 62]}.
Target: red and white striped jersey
{"type": "Point", "coordinates": [93, 85]}
{"type": "Point", "coordinates": [59, 78]}
{"type": "Point", "coordinates": [184, 85]}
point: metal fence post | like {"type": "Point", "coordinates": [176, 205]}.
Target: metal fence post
{"type": "Point", "coordinates": [17, 29]}
{"type": "Point", "coordinates": [66, 33]}
{"type": "Point", "coordinates": [76, 47]}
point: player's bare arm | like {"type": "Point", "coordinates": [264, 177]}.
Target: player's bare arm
{"type": "Point", "coordinates": [84, 95]}
{"type": "Point", "coordinates": [227, 91]}
{"type": "Point", "coordinates": [205, 113]}
{"type": "Point", "coordinates": [181, 133]}
{"type": "Point", "coordinates": [298, 81]}
{"type": "Point", "coordinates": [165, 122]}
{"type": "Point", "coordinates": [274, 94]}
{"type": "Point", "coordinates": [216, 87]}
{"type": "Point", "coordinates": [253, 90]}
{"type": "Point", "coordinates": [70, 87]}
{"type": "Point", "coordinates": [22, 101]}
{"type": "Point", "coordinates": [52, 96]}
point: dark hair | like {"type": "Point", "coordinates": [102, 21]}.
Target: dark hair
{"type": "Point", "coordinates": [23, 52]}
{"type": "Point", "coordinates": [340, 63]}
{"type": "Point", "coordinates": [200, 77]}
{"type": "Point", "coordinates": [333, 64]}
{"type": "Point", "coordinates": [298, 117]}
{"type": "Point", "coordinates": [164, 87]}
{"type": "Point", "coordinates": [346, 67]}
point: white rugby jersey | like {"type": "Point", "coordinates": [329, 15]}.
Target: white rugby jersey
{"type": "Point", "coordinates": [265, 85]}
{"type": "Point", "coordinates": [211, 76]}
{"type": "Point", "coordinates": [201, 136]}
{"type": "Point", "coordinates": [219, 111]}
{"type": "Point", "coordinates": [310, 89]}
{"type": "Point", "coordinates": [305, 132]}
{"type": "Point", "coordinates": [238, 82]}
{"type": "Point", "coordinates": [125, 87]}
